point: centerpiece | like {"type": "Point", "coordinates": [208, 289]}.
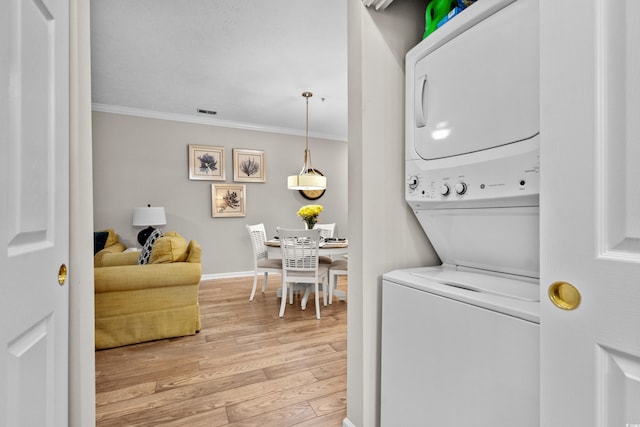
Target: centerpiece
{"type": "Point", "coordinates": [309, 213]}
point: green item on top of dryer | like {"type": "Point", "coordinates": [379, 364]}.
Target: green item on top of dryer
{"type": "Point", "coordinates": [436, 11]}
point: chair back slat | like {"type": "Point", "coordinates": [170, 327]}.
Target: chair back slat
{"type": "Point", "coordinates": [261, 262]}
{"type": "Point", "coordinates": [326, 230]}
{"type": "Point", "coordinates": [300, 249]}
{"type": "Point", "coordinates": [300, 263]}
{"type": "Point", "coordinates": [258, 237]}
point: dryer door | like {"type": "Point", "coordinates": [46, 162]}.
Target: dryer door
{"type": "Point", "coordinates": [480, 89]}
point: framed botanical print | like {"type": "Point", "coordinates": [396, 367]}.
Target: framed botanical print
{"type": "Point", "coordinates": [228, 200]}
{"type": "Point", "coordinates": [206, 163]}
{"type": "Point", "coordinates": [249, 166]}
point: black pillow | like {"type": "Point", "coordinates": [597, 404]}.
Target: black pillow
{"type": "Point", "coordinates": [99, 240]}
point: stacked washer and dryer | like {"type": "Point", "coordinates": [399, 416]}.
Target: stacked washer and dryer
{"type": "Point", "coordinates": [460, 341]}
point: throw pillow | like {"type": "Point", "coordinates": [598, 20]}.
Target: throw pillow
{"type": "Point", "coordinates": [112, 239]}
{"type": "Point", "coordinates": [171, 247]}
{"type": "Point", "coordinates": [145, 254]}
{"type": "Point", "coordinates": [99, 240]}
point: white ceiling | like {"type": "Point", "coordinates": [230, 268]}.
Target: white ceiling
{"type": "Point", "coordinates": [248, 60]}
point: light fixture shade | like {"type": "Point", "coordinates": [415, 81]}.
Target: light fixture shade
{"type": "Point", "coordinates": [306, 182]}
{"type": "Point", "coordinates": [149, 216]}
{"type": "Point", "coordinates": [307, 179]}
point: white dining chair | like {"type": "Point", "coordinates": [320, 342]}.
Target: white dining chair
{"type": "Point", "coordinates": [261, 262]}
{"type": "Point", "coordinates": [326, 230]}
{"type": "Point", "coordinates": [300, 264]}
{"type": "Point", "coordinates": [339, 267]}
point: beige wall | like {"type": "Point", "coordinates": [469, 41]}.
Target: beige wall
{"type": "Point", "coordinates": [384, 234]}
{"type": "Point", "coordinates": [139, 161]}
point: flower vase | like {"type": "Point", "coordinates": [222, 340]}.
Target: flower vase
{"type": "Point", "coordinates": [311, 222]}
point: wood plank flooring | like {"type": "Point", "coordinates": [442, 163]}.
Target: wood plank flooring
{"type": "Point", "coordinates": [246, 367]}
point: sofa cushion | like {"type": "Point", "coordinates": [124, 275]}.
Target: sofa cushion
{"type": "Point", "coordinates": [99, 240]}
{"type": "Point", "coordinates": [145, 254]}
{"type": "Point", "coordinates": [171, 247]}
{"type": "Point", "coordinates": [194, 252]}
{"type": "Point", "coordinates": [98, 258]}
{"type": "Point", "coordinates": [126, 257]}
{"type": "Point", "coordinates": [112, 239]}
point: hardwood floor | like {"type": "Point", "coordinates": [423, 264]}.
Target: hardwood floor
{"type": "Point", "coordinates": [246, 367]}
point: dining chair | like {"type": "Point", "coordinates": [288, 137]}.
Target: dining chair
{"type": "Point", "coordinates": [339, 267]}
{"type": "Point", "coordinates": [300, 264]}
{"type": "Point", "coordinates": [261, 262]}
{"type": "Point", "coordinates": [326, 230]}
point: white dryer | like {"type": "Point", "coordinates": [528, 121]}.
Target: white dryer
{"type": "Point", "coordinates": [460, 341]}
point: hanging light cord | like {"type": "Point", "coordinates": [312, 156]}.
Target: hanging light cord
{"type": "Point", "coordinates": [308, 178]}
{"type": "Point", "coordinates": [306, 166]}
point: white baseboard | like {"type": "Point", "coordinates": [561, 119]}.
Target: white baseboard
{"type": "Point", "coordinates": [226, 275]}
{"type": "Point", "coordinates": [347, 423]}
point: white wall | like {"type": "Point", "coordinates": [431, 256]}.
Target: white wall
{"type": "Point", "coordinates": [139, 161]}
{"type": "Point", "coordinates": [384, 234]}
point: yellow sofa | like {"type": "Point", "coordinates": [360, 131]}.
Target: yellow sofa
{"type": "Point", "coordinates": [137, 303]}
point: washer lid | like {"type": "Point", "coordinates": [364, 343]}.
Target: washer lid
{"type": "Point", "coordinates": [483, 283]}
{"type": "Point", "coordinates": [499, 293]}
{"type": "Point", "coordinates": [504, 240]}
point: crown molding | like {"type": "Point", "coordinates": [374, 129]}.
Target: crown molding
{"type": "Point", "coordinates": [150, 114]}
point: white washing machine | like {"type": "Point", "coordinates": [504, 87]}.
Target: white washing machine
{"type": "Point", "coordinates": [460, 341]}
{"type": "Point", "coordinates": [459, 354]}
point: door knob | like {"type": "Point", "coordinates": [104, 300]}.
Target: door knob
{"type": "Point", "coordinates": [564, 295]}
{"type": "Point", "coordinates": [62, 274]}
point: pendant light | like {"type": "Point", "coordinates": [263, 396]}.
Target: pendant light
{"type": "Point", "coordinates": [307, 179]}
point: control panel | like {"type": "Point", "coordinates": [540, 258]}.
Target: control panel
{"type": "Point", "coordinates": [498, 174]}
{"type": "Point", "coordinates": [444, 189]}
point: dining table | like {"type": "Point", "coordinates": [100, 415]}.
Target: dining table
{"type": "Point", "coordinates": [333, 248]}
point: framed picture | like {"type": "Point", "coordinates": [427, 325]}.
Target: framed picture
{"type": "Point", "coordinates": [228, 200]}
{"type": "Point", "coordinates": [249, 166]}
{"type": "Point", "coordinates": [206, 162]}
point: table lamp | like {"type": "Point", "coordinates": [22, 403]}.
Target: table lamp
{"type": "Point", "coordinates": [148, 216]}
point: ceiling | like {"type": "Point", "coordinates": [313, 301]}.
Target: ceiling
{"type": "Point", "coordinates": [247, 60]}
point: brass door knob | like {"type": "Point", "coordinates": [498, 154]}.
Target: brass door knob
{"type": "Point", "coordinates": [564, 295]}
{"type": "Point", "coordinates": [62, 274]}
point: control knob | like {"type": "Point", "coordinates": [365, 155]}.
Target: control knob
{"type": "Point", "coordinates": [413, 182]}
{"type": "Point", "coordinates": [444, 190]}
{"type": "Point", "coordinates": [461, 188]}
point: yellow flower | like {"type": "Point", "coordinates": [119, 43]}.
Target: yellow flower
{"type": "Point", "coordinates": [309, 211]}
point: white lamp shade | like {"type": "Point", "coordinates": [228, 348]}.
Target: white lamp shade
{"type": "Point", "coordinates": [148, 216]}
{"type": "Point", "coordinates": [306, 182]}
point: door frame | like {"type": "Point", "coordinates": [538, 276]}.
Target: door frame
{"type": "Point", "coordinates": [82, 406]}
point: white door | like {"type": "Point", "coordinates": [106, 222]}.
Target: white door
{"type": "Point", "coordinates": [590, 212]}
{"type": "Point", "coordinates": [34, 215]}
